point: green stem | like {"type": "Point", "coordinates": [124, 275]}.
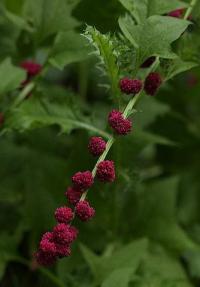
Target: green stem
{"type": "Point", "coordinates": [131, 104]}
{"type": "Point", "coordinates": [24, 93]}
{"type": "Point", "coordinates": [189, 9]}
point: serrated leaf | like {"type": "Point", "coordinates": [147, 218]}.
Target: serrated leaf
{"type": "Point", "coordinates": [142, 9]}
{"type": "Point", "coordinates": [11, 76]}
{"type": "Point", "coordinates": [36, 113]}
{"type": "Point", "coordinates": [69, 47]}
{"type": "Point", "coordinates": [154, 36]}
{"type": "Point", "coordinates": [49, 16]}
{"type": "Point", "coordinates": [107, 55]}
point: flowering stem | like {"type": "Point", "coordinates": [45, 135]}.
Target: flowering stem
{"type": "Point", "coordinates": [128, 109]}
{"type": "Point", "coordinates": [189, 9]}
{"type": "Point", "coordinates": [111, 140]}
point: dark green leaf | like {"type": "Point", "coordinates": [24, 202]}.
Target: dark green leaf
{"type": "Point", "coordinates": [154, 36]}
{"type": "Point", "coordinates": [69, 47]}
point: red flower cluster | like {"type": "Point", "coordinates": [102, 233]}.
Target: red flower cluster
{"type": "Point", "coordinates": [84, 211]}
{"type": "Point", "coordinates": [96, 146]}
{"type": "Point", "coordinates": [57, 243]}
{"type": "Point", "coordinates": [32, 68]}
{"type": "Point", "coordinates": [130, 86]}
{"type": "Point", "coordinates": [106, 171]}
{"type": "Point", "coordinates": [120, 125]}
{"type": "Point", "coordinates": [152, 83]}
{"type": "Point", "coordinates": [82, 180]}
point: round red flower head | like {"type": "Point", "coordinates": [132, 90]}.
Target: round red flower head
{"type": "Point", "coordinates": [45, 259]}
{"type": "Point", "coordinates": [84, 211]}
{"type": "Point", "coordinates": [47, 252]}
{"type": "Point", "coordinates": [63, 250]}
{"type": "Point", "coordinates": [96, 146]}
{"type": "Point", "coordinates": [130, 86]}
{"type": "Point", "coordinates": [152, 83]}
{"type": "Point", "coordinates": [82, 180]}
{"type": "Point", "coordinates": [64, 214]}
{"type": "Point", "coordinates": [73, 195]}
{"type": "Point", "coordinates": [120, 125]}
{"type": "Point", "coordinates": [106, 171]}
{"type": "Point", "coordinates": [64, 234]}
{"type": "Point", "coordinates": [31, 67]}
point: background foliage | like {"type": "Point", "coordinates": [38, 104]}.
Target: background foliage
{"type": "Point", "coordinates": [147, 226]}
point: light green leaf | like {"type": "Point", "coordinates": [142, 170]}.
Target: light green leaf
{"type": "Point", "coordinates": [119, 278]}
{"type": "Point", "coordinates": [142, 9]}
{"type": "Point", "coordinates": [144, 117]}
{"type": "Point", "coordinates": [49, 16]}
{"type": "Point", "coordinates": [154, 36]}
{"type": "Point", "coordinates": [11, 76]}
{"type": "Point", "coordinates": [107, 55]}
{"type": "Point", "coordinates": [159, 7]}
{"type": "Point", "coordinates": [178, 66]}
{"type": "Point", "coordinates": [158, 215]}
{"type": "Point", "coordinates": [69, 47]}
{"type": "Point", "coordinates": [129, 256]}
{"type": "Point", "coordinates": [162, 269]}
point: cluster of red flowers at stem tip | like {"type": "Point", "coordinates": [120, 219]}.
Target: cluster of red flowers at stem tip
{"type": "Point", "coordinates": [57, 243]}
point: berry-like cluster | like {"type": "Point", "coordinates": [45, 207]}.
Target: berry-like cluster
{"type": "Point", "coordinates": [57, 243]}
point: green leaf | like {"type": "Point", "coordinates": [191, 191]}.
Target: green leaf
{"type": "Point", "coordinates": [159, 7]}
{"type": "Point", "coordinates": [49, 16]}
{"type": "Point", "coordinates": [9, 34]}
{"type": "Point", "coordinates": [107, 55]}
{"type": "Point", "coordinates": [154, 36]}
{"type": "Point", "coordinates": [129, 256]}
{"type": "Point", "coordinates": [119, 278]}
{"type": "Point", "coordinates": [69, 47]}
{"type": "Point", "coordinates": [162, 269]}
{"type": "Point", "coordinates": [158, 216]}
{"type": "Point", "coordinates": [37, 113]}
{"type": "Point", "coordinates": [14, 6]}
{"type": "Point", "coordinates": [178, 66]}
{"type": "Point", "coordinates": [142, 9]}
{"type": "Point", "coordinates": [144, 117]}
{"type": "Point", "coordinates": [11, 76]}
{"type": "Point", "coordinates": [8, 247]}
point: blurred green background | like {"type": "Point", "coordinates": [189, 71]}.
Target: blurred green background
{"type": "Point", "coordinates": [146, 232]}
